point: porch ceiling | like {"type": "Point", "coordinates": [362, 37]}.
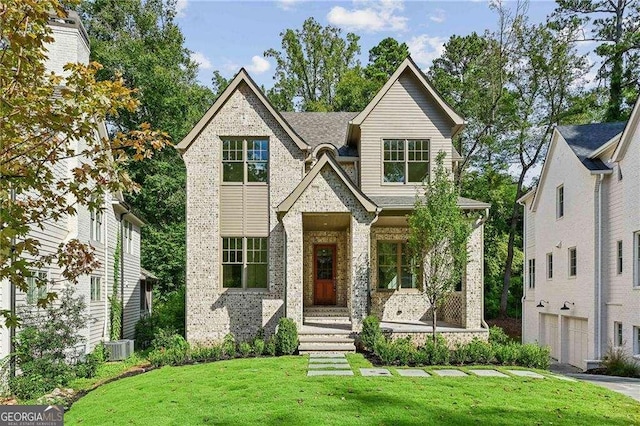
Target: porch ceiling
{"type": "Point", "coordinates": [326, 221]}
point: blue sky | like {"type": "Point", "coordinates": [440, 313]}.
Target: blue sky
{"type": "Point", "coordinates": [227, 35]}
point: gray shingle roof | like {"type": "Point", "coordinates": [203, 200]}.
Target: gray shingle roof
{"type": "Point", "coordinates": [409, 202]}
{"type": "Point", "coordinates": [586, 138]}
{"type": "Point", "coordinates": [323, 127]}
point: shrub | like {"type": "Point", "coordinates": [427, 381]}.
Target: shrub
{"type": "Point", "coordinates": [480, 352]}
{"type": "Point", "coordinates": [169, 349]}
{"type": "Point", "coordinates": [460, 355]}
{"type": "Point", "coordinates": [507, 354]}
{"type": "Point", "coordinates": [419, 357]}
{"type": "Point", "coordinates": [245, 349]}
{"type": "Point", "coordinates": [385, 350]}
{"type": "Point", "coordinates": [617, 362]}
{"type": "Point", "coordinates": [30, 386]}
{"type": "Point", "coordinates": [497, 336]}
{"type": "Point", "coordinates": [286, 337]}
{"type": "Point", "coordinates": [371, 332]}
{"type": "Point", "coordinates": [168, 314]}
{"type": "Point", "coordinates": [404, 350]}
{"type": "Point", "coordinates": [270, 347]}
{"type": "Point", "coordinates": [88, 367]}
{"type": "Point", "coordinates": [206, 353]}
{"type": "Point", "coordinates": [258, 346]}
{"type": "Point", "coordinates": [438, 353]}
{"type": "Point", "coordinates": [229, 346]}
{"type": "Point", "coordinates": [534, 356]}
{"type": "Point", "coordinates": [146, 329]}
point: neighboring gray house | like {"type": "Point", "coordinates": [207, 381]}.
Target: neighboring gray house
{"type": "Point", "coordinates": [100, 229]}
{"type": "Point", "coordinates": [304, 215]}
{"type": "Point", "coordinates": [582, 244]}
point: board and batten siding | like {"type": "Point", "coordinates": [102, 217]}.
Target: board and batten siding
{"type": "Point", "coordinates": [244, 210]}
{"type": "Point", "coordinates": [405, 111]}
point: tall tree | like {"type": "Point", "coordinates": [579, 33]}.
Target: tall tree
{"type": "Point", "coordinates": [615, 25]}
{"type": "Point", "coordinates": [310, 65]}
{"type": "Point", "coordinates": [438, 234]}
{"type": "Point", "coordinates": [42, 117]}
{"type": "Point", "coordinates": [140, 40]}
{"type": "Point", "coordinates": [385, 58]}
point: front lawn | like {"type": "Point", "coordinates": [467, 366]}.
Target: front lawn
{"type": "Point", "coordinates": [277, 391]}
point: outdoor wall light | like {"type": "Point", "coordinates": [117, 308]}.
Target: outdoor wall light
{"type": "Point", "coordinates": [540, 303]}
{"type": "Point", "coordinates": [565, 307]}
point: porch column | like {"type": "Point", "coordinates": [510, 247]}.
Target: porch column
{"type": "Point", "coordinates": [294, 261]}
{"type": "Point", "coordinates": [360, 245]}
{"type": "Point", "coordinates": [472, 295]}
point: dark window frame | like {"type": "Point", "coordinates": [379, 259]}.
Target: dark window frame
{"type": "Point", "coordinates": [399, 152]}
{"type": "Point", "coordinates": [247, 256]}
{"type": "Point", "coordinates": [247, 158]}
{"type": "Point", "coordinates": [401, 258]}
{"type": "Point", "coordinates": [573, 262]}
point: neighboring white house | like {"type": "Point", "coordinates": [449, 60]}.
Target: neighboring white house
{"type": "Point", "coordinates": [100, 229]}
{"type": "Point", "coordinates": [582, 244]}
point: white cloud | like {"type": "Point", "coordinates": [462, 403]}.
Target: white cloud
{"type": "Point", "coordinates": [424, 49]}
{"type": "Point", "coordinates": [287, 4]}
{"type": "Point", "coordinates": [438, 16]}
{"type": "Point", "coordinates": [181, 6]}
{"type": "Point", "coordinates": [258, 65]}
{"type": "Point", "coordinates": [203, 62]}
{"type": "Point", "coordinates": [370, 16]}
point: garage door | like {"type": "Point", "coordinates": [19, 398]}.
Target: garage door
{"type": "Point", "coordinates": [576, 341]}
{"type": "Point", "coordinates": [549, 333]}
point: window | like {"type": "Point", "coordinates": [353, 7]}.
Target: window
{"type": "Point", "coordinates": [245, 160]}
{"type": "Point", "coordinates": [619, 258]}
{"type": "Point", "coordinates": [573, 262]}
{"type": "Point", "coordinates": [636, 338]}
{"type": "Point", "coordinates": [636, 262]}
{"type": "Point", "coordinates": [36, 287]}
{"type": "Point", "coordinates": [549, 266]}
{"type": "Point", "coordinates": [244, 262]}
{"type": "Point", "coordinates": [144, 302]}
{"type": "Point", "coordinates": [560, 202]}
{"type": "Point", "coordinates": [532, 273]}
{"type": "Point", "coordinates": [405, 160]}
{"type": "Point", "coordinates": [96, 289]}
{"type": "Point", "coordinates": [95, 228]}
{"type": "Point", "coordinates": [127, 238]}
{"type": "Point", "coordinates": [394, 266]}
{"type": "Point", "coordinates": [617, 333]}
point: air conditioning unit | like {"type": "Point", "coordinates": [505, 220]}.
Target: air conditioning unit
{"type": "Point", "coordinates": [119, 350]}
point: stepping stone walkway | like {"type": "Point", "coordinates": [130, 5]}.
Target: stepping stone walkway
{"type": "Point", "coordinates": [329, 365]}
{"type": "Point", "coordinates": [488, 373]}
{"type": "Point", "coordinates": [375, 372]}
{"type": "Point", "coordinates": [526, 373]}
{"type": "Point", "coordinates": [450, 373]}
{"type": "Point", "coordinates": [409, 372]}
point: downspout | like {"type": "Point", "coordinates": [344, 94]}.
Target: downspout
{"type": "Point", "coordinates": [106, 271]}
{"type": "Point", "coordinates": [482, 221]}
{"type": "Point", "coordinates": [122, 215]}
{"type": "Point", "coordinates": [12, 301]}
{"type": "Point", "coordinates": [524, 267]}
{"type": "Point", "coordinates": [598, 353]}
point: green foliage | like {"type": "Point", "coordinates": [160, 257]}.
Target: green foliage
{"type": "Point", "coordinates": [371, 332]}
{"type": "Point", "coordinates": [480, 352]}
{"type": "Point", "coordinates": [286, 338]}
{"type": "Point", "coordinates": [229, 346]}
{"type": "Point", "coordinates": [258, 346]}
{"type": "Point", "coordinates": [167, 315]}
{"type": "Point", "coordinates": [245, 349]}
{"type": "Point", "coordinates": [46, 346]}
{"type": "Point", "coordinates": [497, 336]}
{"type": "Point", "coordinates": [385, 58]}
{"type": "Point", "coordinates": [617, 362]}
{"type": "Point", "coordinates": [534, 356]}
{"type": "Point", "coordinates": [206, 353]}
{"type": "Point", "coordinates": [115, 304]}
{"type": "Point", "coordinates": [438, 234]}
{"type": "Point", "coordinates": [506, 353]}
{"type": "Point", "coordinates": [168, 349]}
{"type": "Point", "coordinates": [270, 347]}
{"type": "Point", "coordinates": [310, 65]}
{"type": "Point", "coordinates": [88, 367]}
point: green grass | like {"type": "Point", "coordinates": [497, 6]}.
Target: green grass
{"type": "Point", "coordinates": [273, 391]}
{"type": "Point", "coordinates": [107, 371]}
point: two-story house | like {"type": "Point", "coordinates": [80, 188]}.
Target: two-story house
{"type": "Point", "coordinates": [101, 229]}
{"type": "Point", "coordinates": [582, 244]}
{"type": "Point", "coordinates": [304, 214]}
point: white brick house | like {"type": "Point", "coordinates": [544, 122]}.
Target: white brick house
{"type": "Point", "coordinates": [304, 214]}
{"type": "Point", "coordinates": [100, 229]}
{"type": "Point", "coordinates": [582, 244]}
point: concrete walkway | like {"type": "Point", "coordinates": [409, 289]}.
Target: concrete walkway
{"type": "Point", "coordinates": [624, 385]}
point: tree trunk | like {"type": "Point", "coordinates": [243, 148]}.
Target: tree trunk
{"type": "Point", "coordinates": [508, 266]}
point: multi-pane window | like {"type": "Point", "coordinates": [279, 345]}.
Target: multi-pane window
{"type": "Point", "coordinates": [532, 273]}
{"type": "Point", "coordinates": [36, 287]}
{"type": "Point", "coordinates": [617, 333]}
{"type": "Point", "coordinates": [636, 262]}
{"type": "Point", "coordinates": [127, 237]}
{"type": "Point", "coordinates": [395, 266]}
{"type": "Point", "coordinates": [619, 258]}
{"type": "Point", "coordinates": [95, 228]}
{"type": "Point", "coordinates": [636, 338]}
{"type": "Point", "coordinates": [244, 262]}
{"type": "Point", "coordinates": [245, 160]}
{"type": "Point", "coordinates": [573, 262]}
{"type": "Point", "coordinates": [549, 266]}
{"type": "Point", "coordinates": [96, 289]}
{"type": "Point", "coordinates": [560, 201]}
{"type": "Point", "coordinates": [405, 160]}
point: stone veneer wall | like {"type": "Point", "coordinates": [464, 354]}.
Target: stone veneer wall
{"type": "Point", "coordinates": [473, 285]}
{"type": "Point", "coordinates": [328, 194]}
{"type": "Point", "coordinates": [340, 239]}
{"type": "Point", "coordinates": [211, 310]}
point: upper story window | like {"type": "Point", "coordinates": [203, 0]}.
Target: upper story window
{"type": "Point", "coordinates": [95, 228]}
{"type": "Point", "coordinates": [394, 266]}
{"type": "Point", "coordinates": [532, 273]}
{"type": "Point", "coordinates": [36, 287]}
{"type": "Point", "coordinates": [636, 257]}
{"type": "Point", "coordinates": [96, 289]}
{"type": "Point", "coordinates": [619, 258]}
{"type": "Point", "coordinates": [549, 266]}
{"type": "Point", "coordinates": [573, 262]}
{"type": "Point", "coordinates": [560, 202]}
{"type": "Point", "coordinates": [245, 160]}
{"type": "Point", "coordinates": [405, 160]}
{"type": "Point", "coordinates": [127, 238]}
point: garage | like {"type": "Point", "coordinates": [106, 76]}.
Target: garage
{"type": "Point", "coordinates": [549, 333]}
{"type": "Point", "coordinates": [576, 341]}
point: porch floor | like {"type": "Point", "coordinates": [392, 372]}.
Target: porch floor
{"type": "Point", "coordinates": [419, 327]}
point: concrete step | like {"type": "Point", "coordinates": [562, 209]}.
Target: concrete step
{"type": "Point", "coordinates": [324, 338]}
{"type": "Point", "coordinates": [326, 312]}
{"type": "Point", "coordinates": [323, 347]}
{"type": "Point", "coordinates": [327, 320]}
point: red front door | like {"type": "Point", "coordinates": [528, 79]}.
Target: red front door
{"type": "Point", "coordinates": [324, 274]}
